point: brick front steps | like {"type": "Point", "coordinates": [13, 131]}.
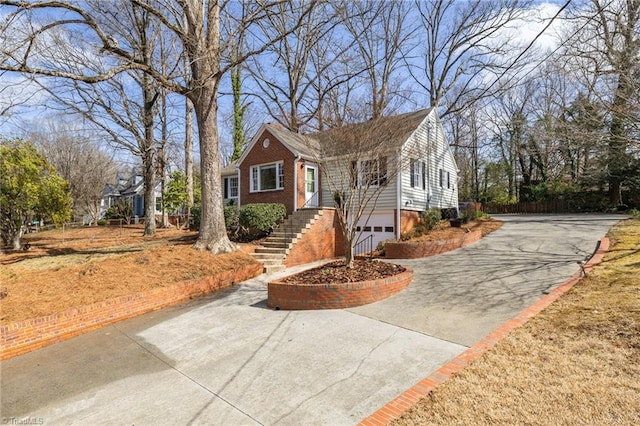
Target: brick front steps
{"type": "Point", "coordinates": [20, 337]}
{"type": "Point", "coordinates": [415, 250]}
{"type": "Point", "coordinates": [335, 295]}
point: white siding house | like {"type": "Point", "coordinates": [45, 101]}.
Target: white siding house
{"type": "Point", "coordinates": [405, 159]}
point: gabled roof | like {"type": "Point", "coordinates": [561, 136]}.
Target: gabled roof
{"type": "Point", "coordinates": [303, 145]}
{"type": "Point", "coordinates": [385, 132]}
{"type": "Point", "coordinates": [382, 133]}
{"type": "Point", "coordinates": [133, 188]}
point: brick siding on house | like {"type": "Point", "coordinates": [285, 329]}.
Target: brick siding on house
{"type": "Point", "coordinates": [415, 250]}
{"type": "Point", "coordinates": [20, 337]}
{"type": "Point", "coordinates": [335, 295]}
{"type": "Point", "coordinates": [322, 241]}
{"type": "Point", "coordinates": [275, 152]}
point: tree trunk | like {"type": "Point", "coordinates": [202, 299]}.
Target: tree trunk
{"type": "Point", "coordinates": [348, 253]}
{"type": "Point", "coordinates": [213, 234]}
{"type": "Point", "coordinates": [17, 236]}
{"type": "Point", "coordinates": [617, 149]}
{"type": "Point", "coordinates": [204, 57]}
{"type": "Point", "coordinates": [188, 157]}
{"type": "Point", "coordinates": [149, 177]}
{"type": "Point", "coordinates": [148, 157]}
{"type": "Point", "coordinates": [16, 241]}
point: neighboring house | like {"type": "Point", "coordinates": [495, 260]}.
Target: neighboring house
{"type": "Point", "coordinates": [280, 166]}
{"type": "Point", "coordinates": [131, 192]}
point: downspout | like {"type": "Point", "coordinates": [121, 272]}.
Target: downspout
{"type": "Point", "coordinates": [429, 164]}
{"type": "Point", "coordinates": [295, 182]}
{"type": "Point", "coordinates": [399, 199]}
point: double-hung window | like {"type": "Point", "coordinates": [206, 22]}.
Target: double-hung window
{"type": "Point", "coordinates": [415, 173]}
{"type": "Point", "coordinates": [418, 174]}
{"type": "Point", "coordinates": [231, 187]}
{"type": "Point", "coordinates": [373, 172]}
{"type": "Point", "coordinates": [445, 178]}
{"type": "Point", "coordinates": [267, 177]}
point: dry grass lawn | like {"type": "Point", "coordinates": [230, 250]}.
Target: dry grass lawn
{"type": "Point", "coordinates": [87, 265]}
{"type": "Point", "coordinates": [577, 362]}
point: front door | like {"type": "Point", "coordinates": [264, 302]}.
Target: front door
{"type": "Point", "coordinates": [311, 185]}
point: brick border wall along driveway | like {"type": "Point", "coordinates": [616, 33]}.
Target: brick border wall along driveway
{"type": "Point", "coordinates": [403, 402]}
{"type": "Point", "coordinates": [20, 337]}
{"type": "Point", "coordinates": [415, 250]}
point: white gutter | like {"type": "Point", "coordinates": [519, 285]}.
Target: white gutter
{"type": "Point", "coordinates": [399, 198]}
{"type": "Point", "coordinates": [429, 165]}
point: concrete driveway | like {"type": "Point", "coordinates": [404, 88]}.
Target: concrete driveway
{"type": "Point", "coordinates": [226, 359]}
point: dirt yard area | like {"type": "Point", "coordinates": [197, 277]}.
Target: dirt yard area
{"type": "Point", "coordinates": [577, 362]}
{"type": "Point", "coordinates": [74, 267]}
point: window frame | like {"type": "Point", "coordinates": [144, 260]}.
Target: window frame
{"type": "Point", "coordinates": [377, 173]}
{"type": "Point", "coordinates": [228, 187]}
{"type": "Point", "coordinates": [255, 183]}
{"type": "Point", "coordinates": [414, 173]}
{"type": "Point", "coordinates": [418, 173]}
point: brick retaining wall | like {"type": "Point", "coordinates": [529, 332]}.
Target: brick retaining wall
{"type": "Point", "coordinates": [322, 241]}
{"type": "Point", "coordinates": [335, 295]}
{"type": "Point", "coordinates": [25, 336]}
{"type": "Point", "coordinates": [415, 250]}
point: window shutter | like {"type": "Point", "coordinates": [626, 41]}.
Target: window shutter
{"type": "Point", "coordinates": [225, 187]}
{"type": "Point", "coordinates": [424, 174]}
{"type": "Point", "coordinates": [382, 171]}
{"type": "Point", "coordinates": [413, 173]}
{"type": "Point", "coordinates": [354, 174]}
{"type": "Point", "coordinates": [441, 178]}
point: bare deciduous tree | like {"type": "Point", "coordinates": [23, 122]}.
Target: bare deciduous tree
{"type": "Point", "coordinates": [606, 50]}
{"type": "Point", "coordinates": [361, 161]}
{"type": "Point", "coordinates": [195, 25]}
{"type": "Point", "coordinates": [301, 59]}
{"type": "Point", "coordinates": [463, 47]}
{"type": "Point", "coordinates": [79, 160]}
{"type": "Point", "coordinates": [380, 33]}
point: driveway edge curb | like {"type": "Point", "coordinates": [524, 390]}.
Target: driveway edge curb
{"type": "Point", "coordinates": [402, 403]}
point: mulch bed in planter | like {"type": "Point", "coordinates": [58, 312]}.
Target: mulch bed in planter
{"type": "Point", "coordinates": [337, 272]}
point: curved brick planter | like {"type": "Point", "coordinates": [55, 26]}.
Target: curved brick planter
{"type": "Point", "coordinates": [415, 250]}
{"type": "Point", "coordinates": [25, 336]}
{"type": "Point", "coordinates": [335, 295]}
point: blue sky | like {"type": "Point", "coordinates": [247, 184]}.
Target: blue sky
{"type": "Point", "coordinates": [34, 109]}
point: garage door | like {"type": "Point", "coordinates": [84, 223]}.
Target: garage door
{"type": "Point", "coordinates": [378, 225]}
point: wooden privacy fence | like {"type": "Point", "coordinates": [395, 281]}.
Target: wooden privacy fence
{"type": "Point", "coordinates": [551, 206]}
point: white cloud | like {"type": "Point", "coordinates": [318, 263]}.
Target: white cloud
{"type": "Point", "coordinates": [526, 30]}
